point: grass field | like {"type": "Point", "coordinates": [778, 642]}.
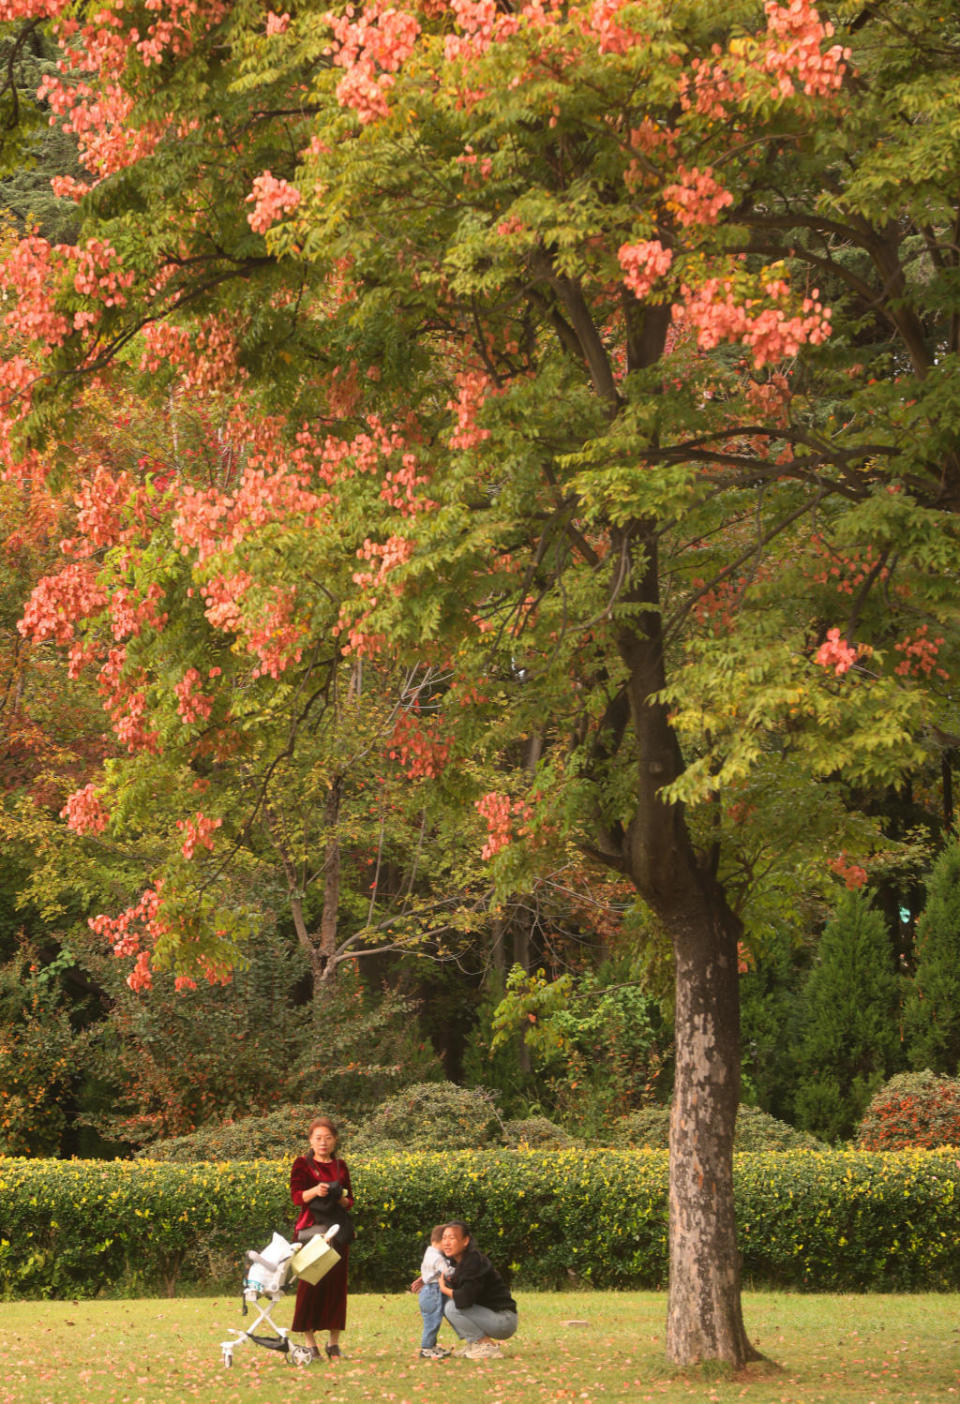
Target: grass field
{"type": "Point", "coordinates": [839, 1350]}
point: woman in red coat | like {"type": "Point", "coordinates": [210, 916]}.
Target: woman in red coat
{"type": "Point", "coordinates": [318, 1180]}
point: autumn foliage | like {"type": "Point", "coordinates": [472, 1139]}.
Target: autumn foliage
{"type": "Point", "coordinates": [912, 1109]}
{"type": "Point", "coordinates": [165, 549]}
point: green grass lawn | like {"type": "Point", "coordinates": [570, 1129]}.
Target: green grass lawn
{"type": "Point", "coordinates": [840, 1350]}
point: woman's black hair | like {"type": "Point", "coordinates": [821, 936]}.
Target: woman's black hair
{"type": "Point", "coordinates": [331, 1126]}
{"type": "Point", "coordinates": [459, 1224]}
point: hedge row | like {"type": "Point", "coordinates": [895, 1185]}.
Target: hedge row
{"type": "Point", "coordinates": [819, 1221]}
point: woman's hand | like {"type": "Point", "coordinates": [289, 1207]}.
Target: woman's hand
{"type": "Point", "coordinates": [445, 1287]}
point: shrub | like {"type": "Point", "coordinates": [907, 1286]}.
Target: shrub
{"type": "Point", "coordinates": [38, 1051]}
{"type": "Point", "coordinates": [596, 1042]}
{"type": "Point", "coordinates": [849, 1221]}
{"type": "Point", "coordinates": [280, 1135]}
{"type": "Point", "coordinates": [912, 1109]}
{"type": "Point", "coordinates": [182, 1063]}
{"type": "Point", "coordinates": [649, 1128]}
{"type": "Point", "coordinates": [423, 1117]}
{"type": "Point", "coordinates": [819, 1221]}
{"type": "Point", "coordinates": [432, 1116]}
{"type": "Point", "coordinates": [756, 1131]}
{"type": "Point", "coordinates": [178, 1062]}
{"type": "Point", "coordinates": [536, 1133]}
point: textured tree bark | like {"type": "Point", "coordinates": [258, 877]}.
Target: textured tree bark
{"type": "Point", "coordinates": [327, 945]}
{"type": "Point", "coordinates": [704, 1315]}
{"type": "Point", "coordinates": [704, 1320]}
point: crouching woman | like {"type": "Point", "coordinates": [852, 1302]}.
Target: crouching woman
{"type": "Point", "coordinates": [477, 1303]}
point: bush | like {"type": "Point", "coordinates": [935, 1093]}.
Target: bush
{"type": "Point", "coordinates": [849, 1221]}
{"type": "Point", "coordinates": [280, 1135]}
{"type": "Point", "coordinates": [426, 1116]}
{"type": "Point", "coordinates": [536, 1133]}
{"type": "Point", "coordinates": [595, 1043]}
{"type": "Point", "coordinates": [432, 1116]}
{"type": "Point", "coordinates": [756, 1131]}
{"type": "Point", "coordinates": [185, 1063]}
{"type": "Point", "coordinates": [912, 1109]}
{"type": "Point", "coordinates": [648, 1128]}
{"type": "Point", "coordinates": [38, 1052]}
{"type": "Point", "coordinates": [819, 1221]}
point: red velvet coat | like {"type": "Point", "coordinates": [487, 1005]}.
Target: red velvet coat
{"type": "Point", "coordinates": [306, 1173]}
{"type": "Point", "coordinates": [321, 1306]}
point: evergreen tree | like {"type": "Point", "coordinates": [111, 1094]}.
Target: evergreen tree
{"type": "Point", "coordinates": [932, 1016]}
{"type": "Point", "coordinates": [769, 1014]}
{"type": "Point", "coordinates": [849, 1039]}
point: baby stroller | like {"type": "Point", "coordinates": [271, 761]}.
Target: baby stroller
{"type": "Point", "coordinates": [268, 1274]}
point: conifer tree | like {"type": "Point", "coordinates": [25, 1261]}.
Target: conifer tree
{"type": "Point", "coordinates": [849, 1039]}
{"type": "Point", "coordinates": [932, 1016]}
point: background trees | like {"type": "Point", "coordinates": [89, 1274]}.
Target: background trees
{"type": "Point", "coordinates": [930, 1014]}
{"type": "Point", "coordinates": [850, 1039]}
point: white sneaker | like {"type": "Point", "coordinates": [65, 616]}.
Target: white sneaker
{"type": "Point", "coordinates": [484, 1350]}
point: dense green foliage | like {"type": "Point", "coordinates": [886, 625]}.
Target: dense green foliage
{"type": "Point", "coordinates": [812, 1220]}
{"type": "Point", "coordinates": [36, 1046]}
{"type": "Point", "coordinates": [278, 1135]}
{"type": "Point", "coordinates": [932, 1013]}
{"type": "Point", "coordinates": [756, 1131]}
{"type": "Point", "coordinates": [437, 1115]}
{"type": "Point", "coordinates": [595, 1044]}
{"type": "Point", "coordinates": [849, 1038]}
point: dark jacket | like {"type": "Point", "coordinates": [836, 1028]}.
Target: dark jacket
{"type": "Point", "coordinates": [320, 1213]}
{"type": "Point", "coordinates": [476, 1282]}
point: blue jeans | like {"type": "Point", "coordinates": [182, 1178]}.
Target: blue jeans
{"type": "Point", "coordinates": [431, 1309]}
{"type": "Point", "coordinates": [473, 1323]}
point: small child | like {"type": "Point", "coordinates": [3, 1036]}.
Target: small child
{"type": "Point", "coordinates": [427, 1288]}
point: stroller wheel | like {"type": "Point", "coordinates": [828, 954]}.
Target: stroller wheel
{"type": "Point", "coordinates": [228, 1357]}
{"type": "Point", "coordinates": [300, 1355]}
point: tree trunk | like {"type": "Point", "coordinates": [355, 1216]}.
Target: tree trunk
{"type": "Point", "coordinates": [704, 1313]}
{"type": "Point", "coordinates": [704, 1316]}
{"type": "Point", "coordinates": [331, 880]}
{"type": "Point", "coordinates": [308, 945]}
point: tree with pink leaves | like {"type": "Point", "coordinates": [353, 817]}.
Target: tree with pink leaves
{"type": "Point", "coordinates": [539, 337]}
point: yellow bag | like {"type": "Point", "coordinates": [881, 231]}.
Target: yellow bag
{"type": "Point", "coordinates": [314, 1260]}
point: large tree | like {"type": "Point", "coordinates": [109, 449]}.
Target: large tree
{"type": "Point", "coordinates": [527, 308]}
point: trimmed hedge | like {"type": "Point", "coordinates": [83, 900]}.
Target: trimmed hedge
{"type": "Point", "coordinates": [817, 1221]}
